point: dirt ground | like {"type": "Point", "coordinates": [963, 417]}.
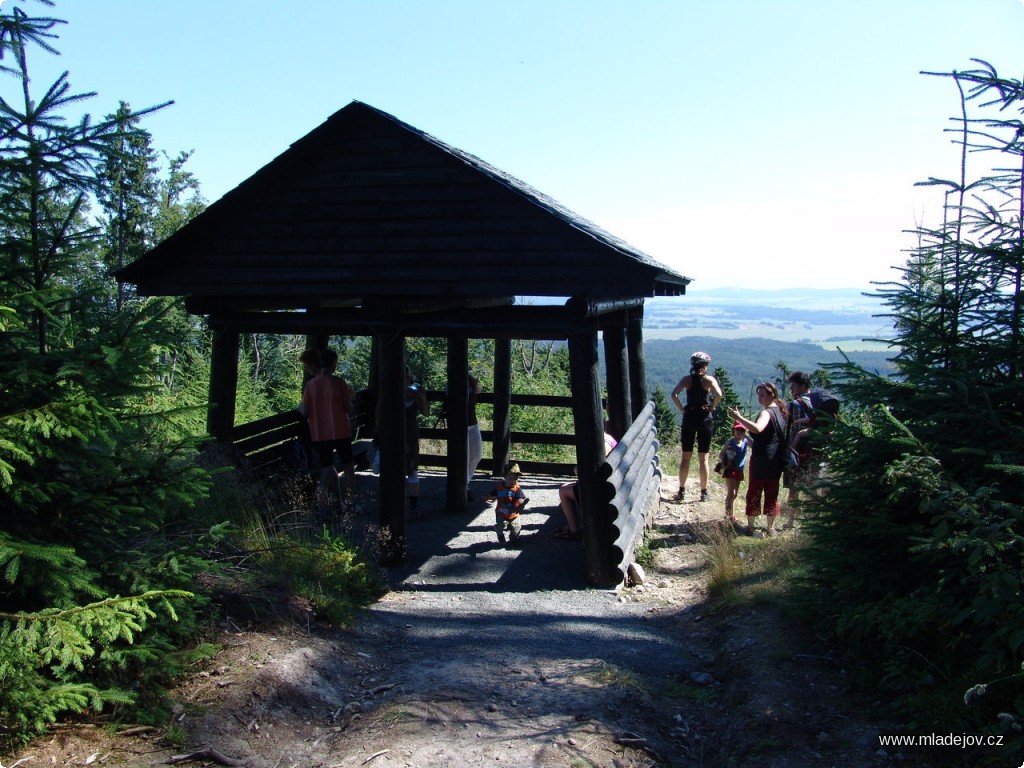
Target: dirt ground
{"type": "Point", "coordinates": [483, 654]}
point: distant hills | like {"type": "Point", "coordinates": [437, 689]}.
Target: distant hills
{"type": "Point", "coordinates": [825, 317]}
{"type": "Point", "coordinates": [746, 332]}
{"type": "Point", "coordinates": [747, 361]}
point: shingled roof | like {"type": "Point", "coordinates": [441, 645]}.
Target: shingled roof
{"type": "Point", "coordinates": [366, 209]}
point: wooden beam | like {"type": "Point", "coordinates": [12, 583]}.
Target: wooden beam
{"type": "Point", "coordinates": [458, 423]}
{"type": "Point", "coordinates": [502, 444]}
{"type": "Point", "coordinates": [519, 322]}
{"type": "Point", "coordinates": [617, 375]}
{"type": "Point", "coordinates": [588, 422]}
{"type": "Point", "coordinates": [581, 307]}
{"type": "Point", "coordinates": [391, 438]}
{"type": "Point", "coordinates": [220, 419]}
{"type": "Point", "coordinates": [637, 364]}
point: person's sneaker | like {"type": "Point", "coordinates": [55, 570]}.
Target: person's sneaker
{"type": "Point", "coordinates": [703, 494]}
{"type": "Point", "coordinates": [680, 494]}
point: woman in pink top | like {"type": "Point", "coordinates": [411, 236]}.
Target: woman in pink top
{"type": "Point", "coordinates": [327, 403]}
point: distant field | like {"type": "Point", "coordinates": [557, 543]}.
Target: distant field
{"type": "Point", "coordinates": [749, 333]}
{"type": "Point", "coordinates": [831, 319]}
{"type": "Point", "coordinates": [750, 360]}
{"type": "Point", "coordinates": [847, 337]}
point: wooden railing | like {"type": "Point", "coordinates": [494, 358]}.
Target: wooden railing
{"type": "Point", "coordinates": [533, 467]}
{"type": "Point", "coordinates": [265, 446]}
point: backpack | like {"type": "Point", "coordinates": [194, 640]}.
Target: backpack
{"type": "Point", "coordinates": [822, 401]}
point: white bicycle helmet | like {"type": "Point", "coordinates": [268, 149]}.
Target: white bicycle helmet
{"type": "Point", "coordinates": [700, 358]}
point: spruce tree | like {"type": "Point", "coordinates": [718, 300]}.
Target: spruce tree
{"type": "Point", "coordinates": [919, 536]}
{"type": "Point", "coordinates": [91, 476]}
{"type": "Point", "coordinates": [665, 420]}
{"type": "Point", "coordinates": [723, 421]}
{"type": "Point", "coordinates": [127, 190]}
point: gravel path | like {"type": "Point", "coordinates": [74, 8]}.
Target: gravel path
{"type": "Point", "coordinates": [527, 663]}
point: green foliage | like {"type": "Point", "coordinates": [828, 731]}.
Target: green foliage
{"type": "Point", "coordinates": [330, 572]}
{"type": "Point", "coordinates": [723, 421]}
{"type": "Point", "coordinates": [918, 555]}
{"type": "Point", "coordinates": [93, 477]}
{"type": "Point", "coordinates": [270, 375]}
{"type": "Point", "coordinates": [538, 368]}
{"type": "Point", "coordinates": [664, 418]}
{"type": "Point", "coordinates": [541, 368]}
{"type": "Point", "coordinates": [42, 656]}
{"type": "Point", "coordinates": [270, 526]}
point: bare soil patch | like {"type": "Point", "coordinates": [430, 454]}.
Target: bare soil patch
{"type": "Point", "coordinates": [490, 655]}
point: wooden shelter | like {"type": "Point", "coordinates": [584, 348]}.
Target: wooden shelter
{"type": "Point", "coordinates": [369, 227]}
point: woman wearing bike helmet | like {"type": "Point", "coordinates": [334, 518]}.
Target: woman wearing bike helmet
{"type": "Point", "coordinates": [703, 394]}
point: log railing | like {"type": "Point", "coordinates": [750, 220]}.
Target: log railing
{"type": "Point", "coordinates": [632, 478]}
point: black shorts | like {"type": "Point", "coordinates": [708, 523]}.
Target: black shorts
{"type": "Point", "coordinates": [804, 475]}
{"type": "Point", "coordinates": [696, 428]}
{"type": "Point", "coordinates": [325, 451]}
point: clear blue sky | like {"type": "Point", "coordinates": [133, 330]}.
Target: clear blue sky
{"type": "Point", "coordinates": [736, 141]}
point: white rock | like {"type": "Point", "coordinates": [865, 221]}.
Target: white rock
{"type": "Point", "coordinates": [636, 574]}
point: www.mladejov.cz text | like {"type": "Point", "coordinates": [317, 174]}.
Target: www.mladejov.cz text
{"type": "Point", "coordinates": [962, 740]}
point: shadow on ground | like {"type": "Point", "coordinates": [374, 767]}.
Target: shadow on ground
{"type": "Point", "coordinates": [459, 551]}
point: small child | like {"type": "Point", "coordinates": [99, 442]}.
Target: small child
{"type": "Point", "coordinates": [732, 459]}
{"type": "Point", "coordinates": [511, 500]}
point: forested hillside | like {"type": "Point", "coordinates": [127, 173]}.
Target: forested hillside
{"type": "Point", "coordinates": [746, 360]}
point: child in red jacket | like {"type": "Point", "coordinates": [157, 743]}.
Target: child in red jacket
{"type": "Point", "coordinates": [511, 500]}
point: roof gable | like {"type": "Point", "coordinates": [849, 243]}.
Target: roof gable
{"type": "Point", "coordinates": [367, 208]}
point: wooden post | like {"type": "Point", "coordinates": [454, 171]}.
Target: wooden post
{"type": "Point", "coordinates": [502, 442]}
{"type": "Point", "coordinates": [391, 437]}
{"type": "Point", "coordinates": [616, 363]}
{"type": "Point", "coordinates": [637, 364]}
{"type": "Point", "coordinates": [220, 419]}
{"type": "Point", "coordinates": [588, 421]}
{"type": "Point", "coordinates": [318, 340]}
{"type": "Point", "coordinates": [458, 423]}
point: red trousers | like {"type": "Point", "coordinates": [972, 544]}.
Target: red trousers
{"type": "Point", "coordinates": [770, 488]}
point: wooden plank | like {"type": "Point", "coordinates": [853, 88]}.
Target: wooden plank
{"type": "Point", "coordinates": [520, 438]}
{"type": "Point", "coordinates": [266, 424]}
{"type": "Point", "coordinates": [488, 324]}
{"type": "Point", "coordinates": [240, 248]}
{"type": "Point", "coordinates": [549, 468]}
{"type": "Point", "coordinates": [267, 438]}
{"type": "Point", "coordinates": [318, 288]}
{"type": "Point", "coordinates": [354, 205]}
